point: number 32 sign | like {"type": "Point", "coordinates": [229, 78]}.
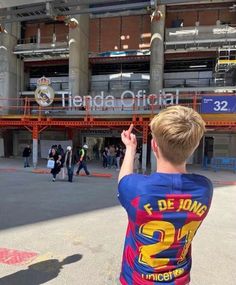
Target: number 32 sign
{"type": "Point", "coordinates": [218, 104]}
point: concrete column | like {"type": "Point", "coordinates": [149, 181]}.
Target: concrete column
{"type": "Point", "coordinates": [8, 67]}
{"type": "Point", "coordinates": [22, 73]}
{"type": "Point", "coordinates": [38, 36]}
{"type": "Point", "coordinates": [153, 162]}
{"type": "Point", "coordinates": [144, 149]}
{"type": "Point", "coordinates": [157, 50]}
{"type": "Point", "coordinates": [18, 68]}
{"type": "Point", "coordinates": [35, 135]}
{"type": "Point", "coordinates": [1, 145]}
{"type": "Point", "coordinates": [15, 143]}
{"type": "Point", "coordinates": [20, 81]}
{"type": "Point", "coordinates": [78, 60]}
{"type": "Point", "coordinates": [35, 153]}
{"type": "Point", "coordinates": [21, 84]}
{"type": "Point", "coordinates": [144, 158]}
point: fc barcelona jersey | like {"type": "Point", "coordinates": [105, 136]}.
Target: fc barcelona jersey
{"type": "Point", "coordinates": [164, 214]}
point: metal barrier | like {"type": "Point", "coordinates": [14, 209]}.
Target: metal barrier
{"type": "Point", "coordinates": [226, 163]}
{"type": "Point", "coordinates": [128, 103]}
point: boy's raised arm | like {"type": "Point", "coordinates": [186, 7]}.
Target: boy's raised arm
{"type": "Point", "coordinates": [130, 142]}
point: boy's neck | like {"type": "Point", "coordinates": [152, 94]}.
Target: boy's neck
{"type": "Point", "coordinates": [164, 166]}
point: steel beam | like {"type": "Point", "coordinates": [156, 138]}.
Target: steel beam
{"type": "Point", "coordinates": [107, 9]}
{"type": "Point", "coordinates": [71, 3]}
{"type": "Point", "coordinates": [119, 6]}
{"type": "Point", "coordinates": [11, 12]}
{"type": "Point", "coordinates": [26, 18]}
{"type": "Point", "coordinates": [103, 9]}
{"type": "Point", "coordinates": [16, 3]}
{"type": "Point", "coordinates": [96, 123]}
{"type": "Point", "coordinates": [174, 2]}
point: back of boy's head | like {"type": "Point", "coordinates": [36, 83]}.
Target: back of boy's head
{"type": "Point", "coordinates": [177, 131]}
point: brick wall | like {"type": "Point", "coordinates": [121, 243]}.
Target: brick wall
{"type": "Point", "coordinates": [31, 32]}
{"type": "Point", "coordinates": [206, 18]}
{"type": "Point", "coordinates": [110, 33]}
{"type": "Point", "coordinates": [62, 32]}
{"type": "Point", "coordinates": [94, 35]}
{"type": "Point", "coordinates": [227, 16]}
{"type": "Point", "coordinates": [127, 32]}
{"type": "Point", "coordinates": [130, 32]}
{"type": "Point", "coordinates": [46, 30]}
{"type": "Point", "coordinates": [189, 18]}
{"type": "Point", "coordinates": [106, 34]}
{"type": "Point", "coordinates": [119, 33]}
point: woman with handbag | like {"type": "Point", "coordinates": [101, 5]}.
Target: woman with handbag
{"type": "Point", "coordinates": [53, 155]}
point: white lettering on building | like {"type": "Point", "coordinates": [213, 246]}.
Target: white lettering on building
{"type": "Point", "coordinates": [128, 99]}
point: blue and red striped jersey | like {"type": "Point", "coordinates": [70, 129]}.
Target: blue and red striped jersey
{"type": "Point", "coordinates": [164, 213]}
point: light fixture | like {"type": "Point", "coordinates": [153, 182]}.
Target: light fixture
{"type": "Point", "coordinates": [38, 51]}
{"type": "Point", "coordinates": [184, 33]}
{"type": "Point", "coordinates": [224, 30]}
{"type": "Point", "coordinates": [198, 66]}
{"type": "Point", "coordinates": [233, 8]}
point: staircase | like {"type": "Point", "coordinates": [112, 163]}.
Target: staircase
{"type": "Point", "coordinates": [225, 62]}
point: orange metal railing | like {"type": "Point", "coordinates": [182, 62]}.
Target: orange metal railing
{"type": "Point", "coordinates": [151, 104]}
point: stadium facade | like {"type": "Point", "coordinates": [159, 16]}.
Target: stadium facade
{"type": "Point", "coordinates": [82, 71]}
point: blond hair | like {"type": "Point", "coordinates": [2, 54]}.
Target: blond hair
{"type": "Point", "coordinates": [177, 131]}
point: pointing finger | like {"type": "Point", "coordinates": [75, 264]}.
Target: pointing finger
{"type": "Point", "coordinates": [130, 128]}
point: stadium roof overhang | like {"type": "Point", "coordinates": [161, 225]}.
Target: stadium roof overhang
{"type": "Point", "coordinates": [27, 10]}
{"type": "Point", "coordinates": [18, 3]}
{"type": "Point", "coordinates": [23, 10]}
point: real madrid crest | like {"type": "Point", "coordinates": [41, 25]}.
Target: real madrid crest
{"type": "Point", "coordinates": [44, 94]}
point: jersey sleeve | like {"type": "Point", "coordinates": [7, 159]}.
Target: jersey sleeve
{"type": "Point", "coordinates": [210, 191]}
{"type": "Point", "coordinates": [128, 189]}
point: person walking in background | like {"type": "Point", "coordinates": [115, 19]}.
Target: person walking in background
{"type": "Point", "coordinates": [69, 162]}
{"type": "Point", "coordinates": [122, 154]}
{"type": "Point", "coordinates": [105, 157]}
{"type": "Point", "coordinates": [82, 160]}
{"type": "Point", "coordinates": [60, 150]}
{"type": "Point", "coordinates": [50, 149]}
{"type": "Point", "coordinates": [57, 165]}
{"type": "Point", "coordinates": [108, 157]}
{"type": "Point", "coordinates": [26, 155]}
{"type": "Point", "coordinates": [165, 209]}
{"type": "Point", "coordinates": [136, 162]}
{"type": "Point", "coordinates": [112, 158]}
{"type": "Point", "coordinates": [118, 157]}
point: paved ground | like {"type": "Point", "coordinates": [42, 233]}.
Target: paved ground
{"type": "Point", "coordinates": [75, 231]}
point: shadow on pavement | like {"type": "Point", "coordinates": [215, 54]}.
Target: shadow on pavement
{"type": "Point", "coordinates": [40, 272]}
{"type": "Point", "coordinates": [28, 198]}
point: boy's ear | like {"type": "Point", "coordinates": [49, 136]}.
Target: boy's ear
{"type": "Point", "coordinates": [154, 146]}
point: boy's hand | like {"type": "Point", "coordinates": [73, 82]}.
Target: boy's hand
{"type": "Point", "coordinates": [128, 138]}
{"type": "Point", "coordinates": [130, 142]}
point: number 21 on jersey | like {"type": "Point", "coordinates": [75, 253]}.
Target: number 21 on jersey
{"type": "Point", "coordinates": [167, 236]}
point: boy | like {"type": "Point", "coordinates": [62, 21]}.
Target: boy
{"type": "Point", "coordinates": [166, 208]}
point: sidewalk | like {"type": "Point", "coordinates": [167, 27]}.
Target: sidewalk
{"type": "Point", "coordinates": [84, 221]}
